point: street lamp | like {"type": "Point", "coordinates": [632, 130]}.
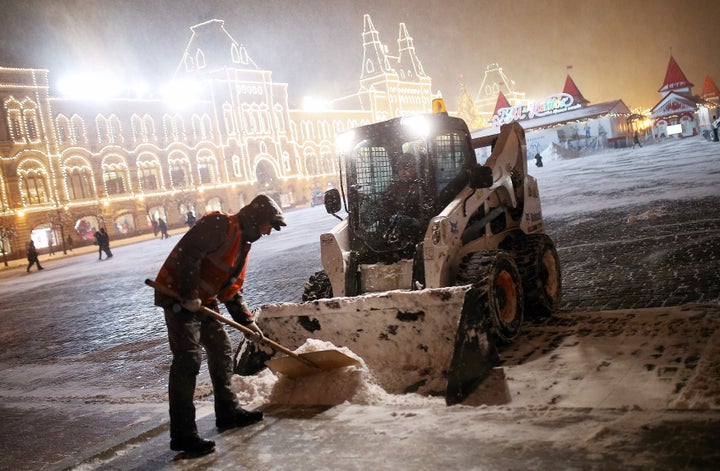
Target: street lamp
{"type": "Point", "coordinates": [62, 216]}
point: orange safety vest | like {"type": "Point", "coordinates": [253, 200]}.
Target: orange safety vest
{"type": "Point", "coordinates": [216, 268]}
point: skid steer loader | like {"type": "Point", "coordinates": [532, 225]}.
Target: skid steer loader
{"type": "Point", "coordinates": [421, 283]}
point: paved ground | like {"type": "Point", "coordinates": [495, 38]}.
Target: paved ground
{"type": "Point", "coordinates": [662, 254]}
{"type": "Point", "coordinates": [658, 255]}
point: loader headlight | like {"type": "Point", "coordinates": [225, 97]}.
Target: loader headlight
{"type": "Point", "coordinates": [344, 142]}
{"type": "Point", "coordinates": [417, 125]}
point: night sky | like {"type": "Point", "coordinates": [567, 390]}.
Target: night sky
{"type": "Point", "coordinates": [617, 48]}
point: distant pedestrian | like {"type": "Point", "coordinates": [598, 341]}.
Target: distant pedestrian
{"type": "Point", "coordinates": [106, 242]}
{"type": "Point", "coordinates": [155, 227]}
{"type": "Point", "coordinates": [51, 249]}
{"type": "Point", "coordinates": [69, 243]}
{"type": "Point", "coordinates": [102, 239]}
{"type": "Point", "coordinates": [32, 256]}
{"type": "Point", "coordinates": [636, 140]}
{"type": "Point", "coordinates": [538, 160]}
{"type": "Point", "coordinates": [190, 219]}
{"type": "Point", "coordinates": [163, 229]}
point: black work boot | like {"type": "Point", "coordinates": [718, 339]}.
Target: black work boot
{"type": "Point", "coordinates": [192, 445]}
{"type": "Point", "coordinates": [238, 418]}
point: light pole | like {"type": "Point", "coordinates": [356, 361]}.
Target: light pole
{"type": "Point", "coordinates": [7, 232]}
{"type": "Point", "coordinates": [62, 213]}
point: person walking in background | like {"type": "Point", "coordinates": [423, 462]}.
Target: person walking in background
{"type": "Point", "coordinates": [636, 140]}
{"type": "Point", "coordinates": [208, 266]}
{"type": "Point", "coordinates": [190, 219]}
{"type": "Point", "coordinates": [102, 239]}
{"type": "Point", "coordinates": [163, 229]}
{"type": "Point", "coordinates": [32, 256]}
{"type": "Point", "coordinates": [105, 242]}
{"type": "Point", "coordinates": [69, 243]}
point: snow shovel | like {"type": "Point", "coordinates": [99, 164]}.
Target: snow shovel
{"type": "Point", "coordinates": [294, 365]}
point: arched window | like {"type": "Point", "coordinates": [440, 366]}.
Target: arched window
{"type": "Point", "coordinates": [78, 135]}
{"type": "Point", "coordinates": [237, 166]}
{"type": "Point", "coordinates": [326, 160]}
{"type": "Point", "coordinates": [79, 184]}
{"type": "Point", "coordinates": [207, 169]}
{"type": "Point", "coordinates": [189, 66]}
{"type": "Point", "coordinates": [115, 175]}
{"type": "Point", "coordinates": [179, 167]}
{"type": "Point", "coordinates": [279, 118]}
{"type": "Point", "coordinates": [310, 161]}
{"type": "Point", "coordinates": [31, 126]}
{"type": "Point", "coordinates": [137, 128]}
{"type": "Point", "coordinates": [149, 173]}
{"type": "Point", "coordinates": [33, 182]}
{"type": "Point", "coordinates": [101, 125]}
{"type": "Point", "coordinates": [14, 120]}
{"type": "Point", "coordinates": [114, 129]}
{"type": "Point", "coordinates": [207, 126]}
{"type": "Point", "coordinates": [200, 59]}
{"type": "Point", "coordinates": [229, 122]}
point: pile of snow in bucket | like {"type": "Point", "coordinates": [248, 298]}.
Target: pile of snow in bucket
{"type": "Point", "coordinates": [352, 384]}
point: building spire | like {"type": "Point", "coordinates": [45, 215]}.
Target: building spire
{"type": "Point", "coordinates": [571, 89]}
{"type": "Point", "coordinates": [501, 103]}
{"type": "Point", "coordinates": [407, 58]}
{"type": "Point", "coordinates": [710, 90]}
{"type": "Point", "coordinates": [375, 60]}
{"type": "Point", "coordinates": [675, 80]}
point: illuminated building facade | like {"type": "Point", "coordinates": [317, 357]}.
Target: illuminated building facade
{"type": "Point", "coordinates": [71, 166]}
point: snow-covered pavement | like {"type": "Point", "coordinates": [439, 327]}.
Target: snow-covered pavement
{"type": "Point", "coordinates": [84, 359]}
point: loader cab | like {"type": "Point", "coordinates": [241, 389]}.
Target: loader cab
{"type": "Point", "coordinates": [399, 174]}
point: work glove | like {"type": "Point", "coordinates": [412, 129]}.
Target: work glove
{"type": "Point", "coordinates": [257, 335]}
{"type": "Point", "coordinates": [192, 305]}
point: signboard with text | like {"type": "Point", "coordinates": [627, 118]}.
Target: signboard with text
{"type": "Point", "coordinates": [553, 104]}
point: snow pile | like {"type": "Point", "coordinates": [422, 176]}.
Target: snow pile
{"type": "Point", "coordinates": [352, 384]}
{"type": "Point", "coordinates": [649, 215]}
{"type": "Point", "coordinates": [703, 388]}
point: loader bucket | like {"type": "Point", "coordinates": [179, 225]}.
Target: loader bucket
{"type": "Point", "coordinates": [430, 342]}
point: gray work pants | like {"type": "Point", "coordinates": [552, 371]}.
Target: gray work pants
{"type": "Point", "coordinates": [189, 333]}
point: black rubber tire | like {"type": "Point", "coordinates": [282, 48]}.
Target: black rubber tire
{"type": "Point", "coordinates": [539, 267]}
{"type": "Point", "coordinates": [500, 294]}
{"type": "Point", "coordinates": [317, 287]}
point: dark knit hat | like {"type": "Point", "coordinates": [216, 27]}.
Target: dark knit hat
{"type": "Point", "coordinates": [263, 210]}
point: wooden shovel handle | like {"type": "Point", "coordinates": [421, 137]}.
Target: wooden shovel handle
{"type": "Point", "coordinates": [216, 315]}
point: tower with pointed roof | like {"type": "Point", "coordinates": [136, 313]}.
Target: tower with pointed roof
{"type": "Point", "coordinates": [571, 89]}
{"type": "Point", "coordinates": [678, 111]}
{"type": "Point", "coordinates": [710, 90]}
{"type": "Point", "coordinates": [392, 85]}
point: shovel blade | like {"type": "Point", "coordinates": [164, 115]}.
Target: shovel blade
{"type": "Point", "coordinates": [324, 360]}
